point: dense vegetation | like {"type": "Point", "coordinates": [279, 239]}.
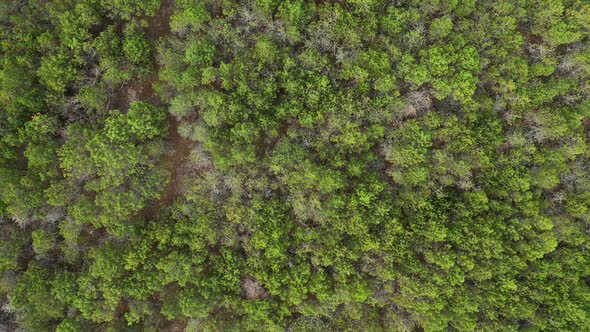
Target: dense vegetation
{"type": "Point", "coordinates": [265, 165]}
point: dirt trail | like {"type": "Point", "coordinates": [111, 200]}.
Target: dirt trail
{"type": "Point", "coordinates": [143, 89]}
{"type": "Point", "coordinates": [159, 24]}
{"type": "Point", "coordinates": [174, 163]}
{"type": "Point", "coordinates": [158, 27]}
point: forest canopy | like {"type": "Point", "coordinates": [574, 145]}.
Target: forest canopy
{"type": "Point", "coordinates": [296, 165]}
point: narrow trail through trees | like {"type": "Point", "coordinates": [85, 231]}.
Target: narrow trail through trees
{"type": "Point", "coordinates": [158, 27]}
{"type": "Point", "coordinates": [180, 147]}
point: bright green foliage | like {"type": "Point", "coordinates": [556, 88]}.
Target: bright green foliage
{"type": "Point", "coordinates": [56, 72]}
{"type": "Point", "coordinates": [136, 48]}
{"type": "Point", "coordinates": [117, 156]}
{"type": "Point", "coordinates": [360, 165]}
{"type": "Point", "coordinates": [441, 27]}
{"type": "Point", "coordinates": [43, 241]}
{"type": "Point", "coordinates": [126, 9]}
{"type": "Point", "coordinates": [93, 97]}
{"type": "Point", "coordinates": [191, 15]}
{"type": "Point", "coordinates": [144, 120]}
{"type": "Point", "coordinates": [32, 295]}
{"type": "Point", "coordinates": [69, 325]}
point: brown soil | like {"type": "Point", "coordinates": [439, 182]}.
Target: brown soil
{"type": "Point", "coordinates": [530, 37]}
{"type": "Point", "coordinates": [173, 326]}
{"type": "Point", "coordinates": [173, 162]}
{"type": "Point", "coordinates": [159, 24]}
{"type": "Point", "coordinates": [158, 27]}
